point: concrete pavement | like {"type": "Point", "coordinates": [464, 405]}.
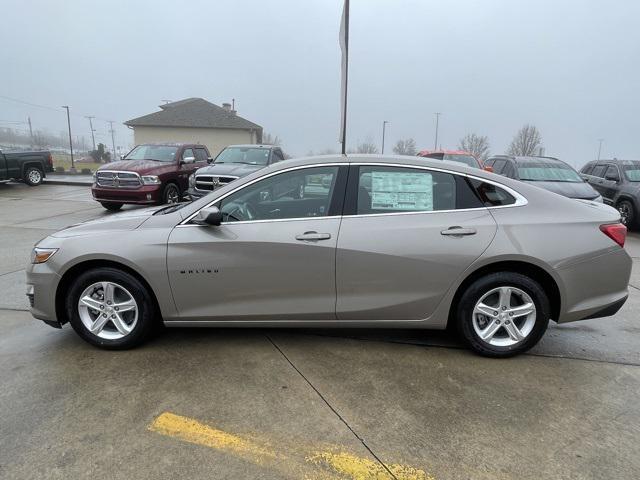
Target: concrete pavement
{"type": "Point", "coordinates": [316, 404]}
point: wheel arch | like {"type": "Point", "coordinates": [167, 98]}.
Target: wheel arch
{"type": "Point", "coordinates": [33, 163]}
{"type": "Point", "coordinates": [81, 267]}
{"type": "Point", "coordinates": [537, 273]}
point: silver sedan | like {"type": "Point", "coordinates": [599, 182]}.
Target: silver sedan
{"type": "Point", "coordinates": [344, 241]}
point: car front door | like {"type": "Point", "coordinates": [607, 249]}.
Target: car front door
{"type": "Point", "coordinates": [187, 166]}
{"type": "Point", "coordinates": [596, 179]}
{"type": "Point", "coordinates": [272, 258]}
{"type": "Point", "coordinates": [406, 235]}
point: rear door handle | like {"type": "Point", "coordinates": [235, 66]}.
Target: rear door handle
{"type": "Point", "coordinates": [313, 236]}
{"type": "Point", "coordinates": [458, 231]}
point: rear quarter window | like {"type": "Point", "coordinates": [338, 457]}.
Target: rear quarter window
{"type": "Point", "coordinates": [492, 195]}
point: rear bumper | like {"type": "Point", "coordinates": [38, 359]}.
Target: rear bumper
{"type": "Point", "coordinates": [144, 195]}
{"type": "Point", "coordinates": [595, 288]}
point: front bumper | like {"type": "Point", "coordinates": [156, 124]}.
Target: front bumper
{"type": "Point", "coordinates": [42, 283]}
{"type": "Point", "coordinates": [143, 195]}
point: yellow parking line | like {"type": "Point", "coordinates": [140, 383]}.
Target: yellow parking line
{"type": "Point", "coordinates": [329, 463]}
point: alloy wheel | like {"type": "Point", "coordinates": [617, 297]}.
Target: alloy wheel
{"type": "Point", "coordinates": [172, 195]}
{"type": "Point", "coordinates": [504, 316]}
{"type": "Point", "coordinates": [625, 213]}
{"type": "Point", "coordinates": [108, 310]}
{"type": "Point", "coordinates": [35, 176]}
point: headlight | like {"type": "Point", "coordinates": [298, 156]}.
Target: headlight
{"type": "Point", "coordinates": [150, 180]}
{"type": "Point", "coordinates": [41, 255]}
{"type": "Point", "coordinates": [192, 180]}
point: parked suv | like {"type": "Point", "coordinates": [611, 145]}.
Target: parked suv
{"type": "Point", "coordinates": [148, 174]}
{"type": "Point", "coordinates": [545, 172]}
{"type": "Point", "coordinates": [29, 167]}
{"type": "Point", "coordinates": [618, 181]}
{"type": "Point", "coordinates": [233, 162]}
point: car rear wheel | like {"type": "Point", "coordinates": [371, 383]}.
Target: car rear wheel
{"type": "Point", "coordinates": [112, 207]}
{"type": "Point", "coordinates": [503, 314]}
{"type": "Point", "coordinates": [627, 213]}
{"type": "Point", "coordinates": [110, 309]}
{"type": "Point", "coordinates": [33, 176]}
{"type": "Point", "coordinates": [171, 193]}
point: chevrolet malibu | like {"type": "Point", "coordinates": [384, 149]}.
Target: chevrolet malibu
{"type": "Point", "coordinates": [369, 242]}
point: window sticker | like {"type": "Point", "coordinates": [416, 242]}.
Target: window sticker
{"type": "Point", "coordinates": [402, 191]}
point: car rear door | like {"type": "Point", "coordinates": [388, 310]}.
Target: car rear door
{"type": "Point", "coordinates": [270, 259]}
{"type": "Point", "coordinates": [406, 235]}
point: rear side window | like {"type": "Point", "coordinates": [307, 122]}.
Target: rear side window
{"type": "Point", "coordinates": [498, 165]}
{"type": "Point", "coordinates": [201, 155]}
{"type": "Point", "coordinates": [491, 195]}
{"type": "Point", "coordinates": [397, 189]}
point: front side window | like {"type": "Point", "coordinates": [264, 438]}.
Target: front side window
{"type": "Point", "coordinates": [301, 193]}
{"type": "Point", "coordinates": [598, 171]}
{"type": "Point", "coordinates": [246, 155]}
{"type": "Point", "coordinates": [188, 155]}
{"type": "Point", "coordinates": [395, 189]}
{"type": "Point", "coordinates": [158, 153]}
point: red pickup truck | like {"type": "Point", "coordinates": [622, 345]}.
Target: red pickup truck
{"type": "Point", "coordinates": [150, 174]}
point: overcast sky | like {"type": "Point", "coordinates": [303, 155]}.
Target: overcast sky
{"type": "Point", "coordinates": [569, 67]}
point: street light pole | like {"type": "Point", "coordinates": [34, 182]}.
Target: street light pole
{"type": "Point", "coordinates": [600, 140]}
{"type": "Point", "coordinates": [93, 138]}
{"type": "Point", "coordinates": [384, 128]}
{"type": "Point", "coordinates": [113, 142]}
{"type": "Point", "coordinates": [66, 107]}
{"type": "Point", "coordinates": [437, 114]}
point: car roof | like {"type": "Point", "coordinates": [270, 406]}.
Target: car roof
{"type": "Point", "coordinates": [532, 159]}
{"type": "Point", "coordinates": [252, 145]}
{"type": "Point", "coordinates": [445, 152]}
{"type": "Point", "coordinates": [618, 161]}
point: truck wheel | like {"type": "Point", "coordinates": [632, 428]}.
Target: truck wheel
{"type": "Point", "coordinates": [112, 207]}
{"type": "Point", "coordinates": [171, 193]}
{"type": "Point", "coordinates": [33, 176]}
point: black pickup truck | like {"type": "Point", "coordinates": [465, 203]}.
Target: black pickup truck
{"type": "Point", "coordinates": [29, 167]}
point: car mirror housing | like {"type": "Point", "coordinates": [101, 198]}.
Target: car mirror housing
{"type": "Point", "coordinates": [208, 216]}
{"type": "Point", "coordinates": [209, 160]}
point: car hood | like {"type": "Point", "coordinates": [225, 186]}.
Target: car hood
{"type": "Point", "coordinates": [568, 189]}
{"type": "Point", "coordinates": [129, 220]}
{"type": "Point", "coordinates": [143, 167]}
{"type": "Point", "coordinates": [232, 169]}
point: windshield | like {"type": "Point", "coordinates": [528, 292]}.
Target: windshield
{"type": "Point", "coordinates": [632, 173]}
{"type": "Point", "coordinates": [466, 159]}
{"type": "Point", "coordinates": [533, 172]}
{"type": "Point", "coordinates": [159, 153]}
{"type": "Point", "coordinates": [248, 155]}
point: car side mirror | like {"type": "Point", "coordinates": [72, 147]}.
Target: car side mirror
{"type": "Point", "coordinates": [188, 160]}
{"type": "Point", "coordinates": [487, 168]}
{"type": "Point", "coordinates": [209, 160]}
{"type": "Point", "coordinates": [121, 157]}
{"type": "Point", "coordinates": [208, 216]}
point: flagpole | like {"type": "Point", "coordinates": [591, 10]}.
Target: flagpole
{"type": "Point", "coordinates": [345, 73]}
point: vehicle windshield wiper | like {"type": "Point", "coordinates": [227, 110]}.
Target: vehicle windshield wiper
{"type": "Point", "coordinates": [170, 208]}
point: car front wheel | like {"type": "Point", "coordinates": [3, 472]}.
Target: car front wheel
{"type": "Point", "coordinates": [503, 314]}
{"type": "Point", "coordinates": [171, 193]}
{"type": "Point", "coordinates": [112, 207]}
{"type": "Point", "coordinates": [110, 309]}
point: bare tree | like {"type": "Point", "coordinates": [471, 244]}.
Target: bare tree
{"type": "Point", "coordinates": [478, 145]}
{"type": "Point", "coordinates": [527, 141]}
{"type": "Point", "coordinates": [268, 139]}
{"type": "Point", "coordinates": [405, 147]}
{"type": "Point", "coordinates": [367, 146]}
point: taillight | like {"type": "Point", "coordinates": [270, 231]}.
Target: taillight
{"type": "Point", "coordinates": [616, 232]}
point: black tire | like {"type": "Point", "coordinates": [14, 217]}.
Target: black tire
{"type": "Point", "coordinates": [33, 176]}
{"type": "Point", "coordinates": [171, 193]}
{"type": "Point", "coordinates": [483, 285]}
{"type": "Point", "coordinates": [112, 207]}
{"type": "Point", "coordinates": [628, 214]}
{"type": "Point", "coordinates": [147, 313]}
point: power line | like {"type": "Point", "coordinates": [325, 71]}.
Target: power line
{"type": "Point", "coordinates": [53, 109]}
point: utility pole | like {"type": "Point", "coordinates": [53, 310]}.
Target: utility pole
{"type": "Point", "coordinates": [30, 131]}
{"type": "Point", "coordinates": [435, 144]}
{"type": "Point", "coordinates": [113, 142]}
{"type": "Point", "coordinates": [384, 128]}
{"type": "Point", "coordinates": [600, 140]}
{"type": "Point", "coordinates": [73, 167]}
{"type": "Point", "coordinates": [93, 138]}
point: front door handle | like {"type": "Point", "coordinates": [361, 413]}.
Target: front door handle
{"type": "Point", "coordinates": [458, 231]}
{"type": "Point", "coordinates": [313, 236]}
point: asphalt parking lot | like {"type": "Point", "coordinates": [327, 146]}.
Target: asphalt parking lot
{"type": "Point", "coordinates": [303, 404]}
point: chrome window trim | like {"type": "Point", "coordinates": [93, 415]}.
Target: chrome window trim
{"type": "Point", "coordinates": [520, 199]}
